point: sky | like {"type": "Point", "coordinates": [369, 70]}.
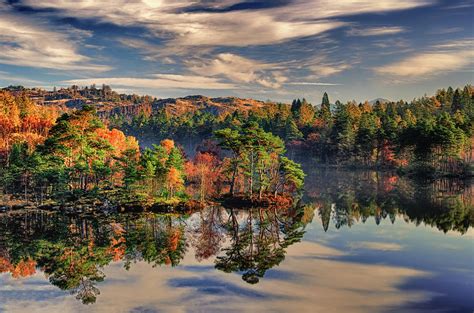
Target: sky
{"type": "Point", "coordinates": [276, 50]}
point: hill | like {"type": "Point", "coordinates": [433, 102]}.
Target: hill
{"type": "Point", "coordinates": [109, 103]}
{"type": "Point", "coordinates": [381, 100]}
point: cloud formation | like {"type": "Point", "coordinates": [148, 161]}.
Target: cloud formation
{"type": "Point", "coordinates": [157, 81]}
{"type": "Point", "coordinates": [442, 58]}
{"type": "Point", "coordinates": [239, 69]}
{"type": "Point", "coordinates": [322, 66]}
{"type": "Point", "coordinates": [312, 84]}
{"type": "Point", "coordinates": [180, 27]}
{"type": "Point", "coordinates": [318, 283]}
{"type": "Point", "coordinates": [265, 48]}
{"type": "Point", "coordinates": [375, 31]}
{"type": "Point", "coordinates": [374, 245]}
{"type": "Point", "coordinates": [30, 42]}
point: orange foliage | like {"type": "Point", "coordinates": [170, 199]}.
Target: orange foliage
{"type": "Point", "coordinates": [174, 180]}
{"type": "Point", "coordinates": [5, 265]}
{"type": "Point", "coordinates": [319, 123]}
{"type": "Point", "coordinates": [174, 239]}
{"type": "Point", "coordinates": [168, 144]}
{"type": "Point", "coordinates": [117, 245]}
{"type": "Point", "coordinates": [117, 140]}
{"type": "Point", "coordinates": [24, 268]}
{"type": "Point", "coordinates": [117, 248]}
{"type": "Point", "coordinates": [204, 172]}
{"type": "Point", "coordinates": [23, 121]}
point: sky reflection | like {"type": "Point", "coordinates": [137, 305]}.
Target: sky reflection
{"type": "Point", "coordinates": [318, 281]}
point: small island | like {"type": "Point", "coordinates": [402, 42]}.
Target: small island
{"type": "Point", "coordinates": [74, 162]}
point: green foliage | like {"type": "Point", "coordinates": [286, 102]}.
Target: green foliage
{"type": "Point", "coordinates": [292, 173]}
{"type": "Point", "coordinates": [257, 156]}
{"type": "Point", "coordinates": [387, 134]}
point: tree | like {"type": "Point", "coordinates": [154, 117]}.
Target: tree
{"type": "Point", "coordinates": [303, 112]}
{"type": "Point", "coordinates": [325, 112]}
{"type": "Point", "coordinates": [457, 101]}
{"type": "Point", "coordinates": [231, 140]}
{"type": "Point", "coordinates": [343, 134]}
{"type": "Point", "coordinates": [366, 137]}
{"type": "Point", "coordinates": [259, 154]}
{"type": "Point", "coordinates": [325, 102]}
{"type": "Point", "coordinates": [204, 171]}
{"type": "Point", "coordinates": [292, 175]}
{"type": "Point", "coordinates": [291, 131]}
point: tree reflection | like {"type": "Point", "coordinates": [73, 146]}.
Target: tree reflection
{"type": "Point", "coordinates": [259, 238]}
{"type": "Point", "coordinates": [155, 239]}
{"type": "Point", "coordinates": [446, 204]}
{"type": "Point", "coordinates": [209, 235]}
{"type": "Point", "coordinates": [72, 251]}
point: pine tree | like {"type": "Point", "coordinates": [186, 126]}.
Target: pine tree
{"type": "Point", "coordinates": [291, 131]}
{"type": "Point", "coordinates": [325, 102]}
{"type": "Point", "coordinates": [457, 101]}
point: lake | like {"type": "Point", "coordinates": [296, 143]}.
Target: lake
{"type": "Point", "coordinates": [358, 242]}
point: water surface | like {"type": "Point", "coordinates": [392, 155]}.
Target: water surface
{"type": "Point", "coordinates": [358, 242]}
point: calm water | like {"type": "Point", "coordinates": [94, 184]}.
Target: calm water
{"type": "Point", "coordinates": [363, 242]}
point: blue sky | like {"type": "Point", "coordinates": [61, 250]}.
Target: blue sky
{"type": "Point", "coordinates": [278, 50]}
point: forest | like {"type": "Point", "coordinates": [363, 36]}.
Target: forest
{"type": "Point", "coordinates": [429, 136]}
{"type": "Point", "coordinates": [48, 158]}
{"type": "Point", "coordinates": [49, 153]}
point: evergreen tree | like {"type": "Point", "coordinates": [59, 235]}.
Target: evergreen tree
{"type": "Point", "coordinates": [291, 131]}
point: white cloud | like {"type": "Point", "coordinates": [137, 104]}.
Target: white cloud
{"type": "Point", "coordinates": [9, 78]}
{"type": "Point", "coordinates": [312, 84]}
{"type": "Point", "coordinates": [29, 42]}
{"type": "Point", "coordinates": [239, 69]}
{"type": "Point", "coordinates": [394, 45]}
{"type": "Point", "coordinates": [319, 282]}
{"type": "Point", "coordinates": [374, 245]}
{"type": "Point", "coordinates": [375, 31]}
{"type": "Point", "coordinates": [150, 51]}
{"type": "Point", "coordinates": [158, 81]}
{"type": "Point", "coordinates": [446, 57]}
{"type": "Point", "coordinates": [321, 66]}
{"type": "Point", "coordinates": [180, 28]}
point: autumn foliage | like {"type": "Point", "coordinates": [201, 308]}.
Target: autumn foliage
{"type": "Point", "coordinates": [205, 175]}
{"type": "Point", "coordinates": [23, 268]}
{"type": "Point", "coordinates": [22, 121]}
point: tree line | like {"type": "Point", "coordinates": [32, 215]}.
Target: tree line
{"type": "Point", "coordinates": [426, 134]}
{"type": "Point", "coordinates": [77, 154]}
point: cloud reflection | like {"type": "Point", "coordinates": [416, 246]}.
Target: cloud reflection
{"type": "Point", "coordinates": [319, 283]}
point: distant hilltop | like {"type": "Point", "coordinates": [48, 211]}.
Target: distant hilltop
{"type": "Point", "coordinates": [380, 100]}
{"type": "Point", "coordinates": [108, 102]}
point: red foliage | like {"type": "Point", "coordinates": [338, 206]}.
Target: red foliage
{"type": "Point", "coordinates": [389, 183]}
{"type": "Point", "coordinates": [388, 155]}
{"type": "Point", "coordinates": [204, 173]}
